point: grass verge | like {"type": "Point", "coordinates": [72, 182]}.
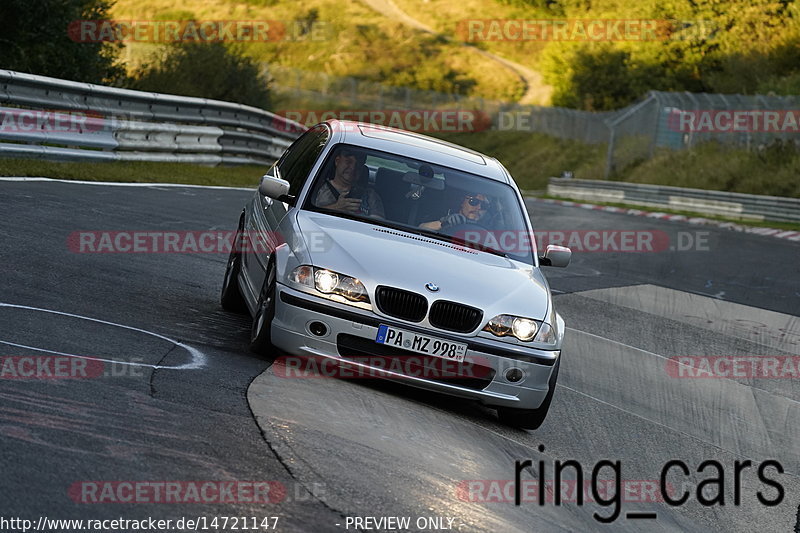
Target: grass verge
{"type": "Point", "coordinates": [135, 172]}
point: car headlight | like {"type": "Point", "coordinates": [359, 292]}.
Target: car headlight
{"type": "Point", "coordinates": [547, 334]}
{"type": "Point", "coordinates": [326, 281]}
{"type": "Point", "coordinates": [550, 331]}
{"type": "Point", "coordinates": [330, 283]}
{"type": "Point", "coordinates": [304, 275]}
{"type": "Point", "coordinates": [522, 328]}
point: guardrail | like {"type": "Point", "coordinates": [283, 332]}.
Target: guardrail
{"type": "Point", "coordinates": [729, 204]}
{"type": "Point", "coordinates": [58, 119]}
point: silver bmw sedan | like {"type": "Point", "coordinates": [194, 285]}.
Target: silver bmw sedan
{"type": "Point", "coordinates": [405, 257]}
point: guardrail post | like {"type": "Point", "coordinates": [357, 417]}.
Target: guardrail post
{"type": "Point", "coordinates": [612, 135]}
{"type": "Point", "coordinates": [657, 121]}
{"type": "Point", "coordinates": [696, 105]}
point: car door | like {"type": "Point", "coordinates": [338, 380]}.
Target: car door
{"type": "Point", "coordinates": [294, 166]}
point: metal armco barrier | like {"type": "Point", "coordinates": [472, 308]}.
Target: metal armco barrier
{"type": "Point", "coordinates": [729, 204]}
{"type": "Point", "coordinates": [49, 118]}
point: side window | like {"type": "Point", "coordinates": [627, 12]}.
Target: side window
{"type": "Point", "coordinates": [296, 163]}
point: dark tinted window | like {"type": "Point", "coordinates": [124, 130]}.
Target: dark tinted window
{"type": "Point", "coordinates": [421, 196]}
{"type": "Point", "coordinates": [296, 163]}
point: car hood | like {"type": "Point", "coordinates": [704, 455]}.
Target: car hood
{"type": "Point", "coordinates": [378, 255]}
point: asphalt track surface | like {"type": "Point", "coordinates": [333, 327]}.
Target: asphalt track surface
{"type": "Point", "coordinates": [187, 401]}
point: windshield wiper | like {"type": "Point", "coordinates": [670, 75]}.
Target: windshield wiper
{"type": "Point", "coordinates": [460, 241]}
{"type": "Point", "coordinates": [417, 231]}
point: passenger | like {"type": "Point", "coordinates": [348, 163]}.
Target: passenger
{"type": "Point", "coordinates": [472, 209]}
{"type": "Point", "coordinates": [345, 192]}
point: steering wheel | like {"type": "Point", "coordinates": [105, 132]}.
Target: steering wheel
{"type": "Point", "coordinates": [456, 229]}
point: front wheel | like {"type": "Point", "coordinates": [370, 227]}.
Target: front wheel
{"type": "Point", "coordinates": [261, 332]}
{"type": "Point", "coordinates": [531, 418]}
{"type": "Point", "coordinates": [231, 297]}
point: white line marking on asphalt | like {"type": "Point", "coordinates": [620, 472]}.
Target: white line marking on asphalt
{"type": "Point", "coordinates": [125, 184]}
{"type": "Point", "coordinates": [755, 230]}
{"type": "Point", "coordinates": [617, 407]}
{"type": "Point", "coordinates": [675, 361]}
{"type": "Point", "coordinates": [198, 358]}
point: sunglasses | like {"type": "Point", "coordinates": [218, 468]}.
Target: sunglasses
{"type": "Point", "coordinates": [473, 201]}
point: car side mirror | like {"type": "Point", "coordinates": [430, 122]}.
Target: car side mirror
{"type": "Point", "coordinates": [556, 256]}
{"type": "Point", "coordinates": [275, 188]}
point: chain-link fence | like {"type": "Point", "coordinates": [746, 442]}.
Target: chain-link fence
{"type": "Point", "coordinates": [318, 89]}
{"type": "Point", "coordinates": [682, 120]}
{"type": "Point", "coordinates": [661, 120]}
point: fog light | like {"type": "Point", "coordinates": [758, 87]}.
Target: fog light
{"type": "Point", "coordinates": [318, 328]}
{"type": "Point", "coordinates": [514, 375]}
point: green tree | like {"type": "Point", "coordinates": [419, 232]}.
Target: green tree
{"type": "Point", "coordinates": [206, 71]}
{"type": "Point", "coordinates": [35, 38]}
{"type": "Point", "coordinates": [417, 65]}
{"type": "Point", "coordinates": [600, 78]}
{"type": "Point", "coordinates": [737, 46]}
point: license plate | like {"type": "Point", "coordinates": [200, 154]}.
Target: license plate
{"type": "Point", "coordinates": [425, 344]}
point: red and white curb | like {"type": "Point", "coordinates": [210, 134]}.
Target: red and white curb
{"type": "Point", "coordinates": [770, 232]}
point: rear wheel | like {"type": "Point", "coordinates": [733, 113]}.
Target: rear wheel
{"type": "Point", "coordinates": [231, 297]}
{"type": "Point", "coordinates": [531, 418]}
{"type": "Point", "coordinates": [261, 332]}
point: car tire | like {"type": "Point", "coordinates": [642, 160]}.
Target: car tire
{"type": "Point", "coordinates": [231, 296]}
{"type": "Point", "coordinates": [261, 331]}
{"type": "Point", "coordinates": [531, 418]}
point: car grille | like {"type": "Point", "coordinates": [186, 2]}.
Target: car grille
{"type": "Point", "coordinates": [401, 304]}
{"type": "Point", "coordinates": [366, 351]}
{"type": "Point", "coordinates": [454, 316]}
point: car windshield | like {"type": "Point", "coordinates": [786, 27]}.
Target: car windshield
{"type": "Point", "coordinates": [422, 197]}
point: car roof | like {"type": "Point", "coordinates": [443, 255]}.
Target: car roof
{"type": "Point", "coordinates": [417, 146]}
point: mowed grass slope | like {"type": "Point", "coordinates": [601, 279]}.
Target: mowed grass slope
{"type": "Point", "coordinates": [353, 40]}
{"type": "Point", "coordinates": [135, 172]}
{"type": "Point", "coordinates": [361, 42]}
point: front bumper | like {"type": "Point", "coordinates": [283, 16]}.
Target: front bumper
{"type": "Point", "coordinates": [349, 327]}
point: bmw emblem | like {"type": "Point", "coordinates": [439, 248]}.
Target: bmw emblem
{"type": "Point", "coordinates": [432, 287]}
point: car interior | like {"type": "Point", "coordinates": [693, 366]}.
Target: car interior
{"type": "Point", "coordinates": [415, 192]}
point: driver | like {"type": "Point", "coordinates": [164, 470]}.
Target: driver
{"type": "Point", "coordinates": [343, 192]}
{"type": "Point", "coordinates": [472, 209]}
